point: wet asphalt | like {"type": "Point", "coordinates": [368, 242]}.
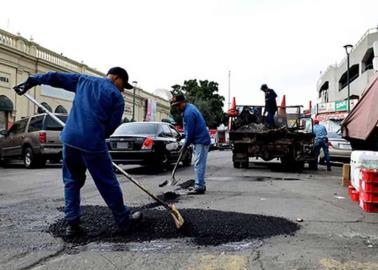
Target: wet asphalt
{"type": "Point", "coordinates": [246, 220]}
{"type": "Point", "coordinates": [202, 227]}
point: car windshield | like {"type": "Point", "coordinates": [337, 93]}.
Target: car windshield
{"type": "Point", "coordinates": [51, 124]}
{"type": "Point", "coordinates": [136, 129]}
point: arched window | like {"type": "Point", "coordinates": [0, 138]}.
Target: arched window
{"type": "Point", "coordinates": [367, 60]}
{"type": "Point", "coordinates": [60, 109]}
{"type": "Point", "coordinates": [47, 106]}
{"type": "Point", "coordinates": [323, 92]}
{"type": "Point", "coordinates": [353, 74]}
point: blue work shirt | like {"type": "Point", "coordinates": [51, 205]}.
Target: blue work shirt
{"type": "Point", "coordinates": [320, 132]}
{"type": "Point", "coordinates": [96, 109]}
{"type": "Point", "coordinates": [195, 126]}
{"type": "Point", "coordinates": [270, 100]}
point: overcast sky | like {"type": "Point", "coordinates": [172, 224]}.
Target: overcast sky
{"type": "Point", "coordinates": [285, 44]}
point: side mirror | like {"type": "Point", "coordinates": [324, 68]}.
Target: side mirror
{"type": "Point", "coordinates": [4, 132]}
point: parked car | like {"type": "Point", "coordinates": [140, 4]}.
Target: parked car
{"type": "Point", "coordinates": [339, 148]}
{"type": "Point", "coordinates": [34, 140]}
{"type": "Point", "coordinates": [147, 143]}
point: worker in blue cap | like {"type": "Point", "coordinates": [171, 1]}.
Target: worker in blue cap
{"type": "Point", "coordinates": [270, 105]}
{"type": "Point", "coordinates": [196, 133]}
{"type": "Point", "coordinates": [96, 112]}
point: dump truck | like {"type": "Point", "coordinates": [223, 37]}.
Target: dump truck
{"type": "Point", "coordinates": [291, 141]}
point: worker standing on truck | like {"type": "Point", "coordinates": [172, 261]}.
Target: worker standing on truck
{"type": "Point", "coordinates": [321, 142]}
{"type": "Point", "coordinates": [270, 105]}
{"type": "Point", "coordinates": [96, 112]}
{"type": "Point", "coordinates": [195, 133]}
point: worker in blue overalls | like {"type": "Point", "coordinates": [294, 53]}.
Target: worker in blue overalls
{"type": "Point", "coordinates": [196, 133]}
{"type": "Point", "coordinates": [321, 142]}
{"type": "Point", "coordinates": [96, 112]}
{"type": "Point", "coordinates": [270, 105]}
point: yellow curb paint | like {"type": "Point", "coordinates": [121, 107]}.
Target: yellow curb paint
{"type": "Point", "coordinates": [328, 264]}
{"type": "Point", "coordinates": [220, 262]}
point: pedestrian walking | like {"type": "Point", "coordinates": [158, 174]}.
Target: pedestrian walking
{"type": "Point", "coordinates": [96, 112]}
{"type": "Point", "coordinates": [270, 105]}
{"type": "Point", "coordinates": [321, 142]}
{"type": "Point", "coordinates": [196, 133]}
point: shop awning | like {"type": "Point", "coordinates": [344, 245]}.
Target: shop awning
{"type": "Point", "coordinates": [364, 117]}
{"type": "Point", "coordinates": [6, 105]}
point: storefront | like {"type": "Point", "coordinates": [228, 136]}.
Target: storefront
{"type": "Point", "coordinates": [337, 110]}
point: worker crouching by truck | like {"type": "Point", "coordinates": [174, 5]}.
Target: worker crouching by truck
{"type": "Point", "coordinates": [196, 133]}
{"type": "Point", "coordinates": [96, 112]}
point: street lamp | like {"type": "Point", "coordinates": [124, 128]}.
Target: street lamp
{"type": "Point", "coordinates": [134, 88]}
{"type": "Point", "coordinates": [348, 49]}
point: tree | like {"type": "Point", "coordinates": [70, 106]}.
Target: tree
{"type": "Point", "coordinates": [204, 95]}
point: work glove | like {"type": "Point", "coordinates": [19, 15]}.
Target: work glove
{"type": "Point", "coordinates": [22, 88]}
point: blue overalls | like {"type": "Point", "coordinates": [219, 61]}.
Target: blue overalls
{"type": "Point", "coordinates": [196, 133]}
{"type": "Point", "coordinates": [321, 142]}
{"type": "Point", "coordinates": [96, 112]}
{"type": "Point", "coordinates": [270, 107]}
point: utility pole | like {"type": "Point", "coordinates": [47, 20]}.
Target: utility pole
{"type": "Point", "coordinates": [229, 89]}
{"type": "Point", "coordinates": [134, 88]}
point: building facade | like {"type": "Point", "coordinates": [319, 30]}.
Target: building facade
{"type": "Point", "coordinates": [332, 86]}
{"type": "Point", "coordinates": [20, 58]}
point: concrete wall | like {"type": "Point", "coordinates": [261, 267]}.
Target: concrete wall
{"type": "Point", "coordinates": [334, 72]}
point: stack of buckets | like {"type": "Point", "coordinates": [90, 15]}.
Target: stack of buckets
{"type": "Point", "coordinates": [364, 180]}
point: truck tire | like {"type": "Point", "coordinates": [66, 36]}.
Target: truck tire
{"type": "Point", "coordinates": [239, 165]}
{"type": "Point", "coordinates": [245, 164]}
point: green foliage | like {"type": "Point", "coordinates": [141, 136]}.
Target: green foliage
{"type": "Point", "coordinates": [204, 95]}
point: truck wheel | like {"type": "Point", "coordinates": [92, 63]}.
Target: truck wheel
{"type": "Point", "coordinates": [30, 160]}
{"type": "Point", "coordinates": [245, 164]}
{"type": "Point", "coordinates": [237, 165]}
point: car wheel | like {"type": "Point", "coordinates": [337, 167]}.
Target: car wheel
{"type": "Point", "coordinates": [30, 160]}
{"type": "Point", "coordinates": [54, 160]}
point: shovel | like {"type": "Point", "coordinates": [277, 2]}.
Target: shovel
{"type": "Point", "coordinates": [178, 219]}
{"type": "Point", "coordinates": [173, 181]}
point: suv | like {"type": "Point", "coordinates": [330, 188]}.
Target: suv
{"type": "Point", "coordinates": [34, 139]}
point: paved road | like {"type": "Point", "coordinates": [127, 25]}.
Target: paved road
{"type": "Point", "coordinates": [334, 234]}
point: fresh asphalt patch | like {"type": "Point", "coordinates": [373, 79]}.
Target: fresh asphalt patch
{"type": "Point", "coordinates": [202, 227]}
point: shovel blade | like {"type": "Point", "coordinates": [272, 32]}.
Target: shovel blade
{"type": "Point", "coordinates": [179, 220]}
{"type": "Point", "coordinates": [164, 183]}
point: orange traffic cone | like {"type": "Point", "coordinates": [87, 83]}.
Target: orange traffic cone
{"type": "Point", "coordinates": [232, 112]}
{"type": "Point", "coordinates": [282, 109]}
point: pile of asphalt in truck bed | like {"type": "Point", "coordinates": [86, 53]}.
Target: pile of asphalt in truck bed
{"type": "Point", "coordinates": [203, 227]}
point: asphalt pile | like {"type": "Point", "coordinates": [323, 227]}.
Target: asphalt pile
{"type": "Point", "coordinates": [202, 227]}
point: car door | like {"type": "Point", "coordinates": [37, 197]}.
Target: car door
{"type": "Point", "coordinates": [178, 138]}
{"type": "Point", "coordinates": [12, 145]}
{"type": "Point", "coordinates": [171, 144]}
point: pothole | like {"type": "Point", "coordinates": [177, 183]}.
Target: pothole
{"type": "Point", "coordinates": [202, 227]}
